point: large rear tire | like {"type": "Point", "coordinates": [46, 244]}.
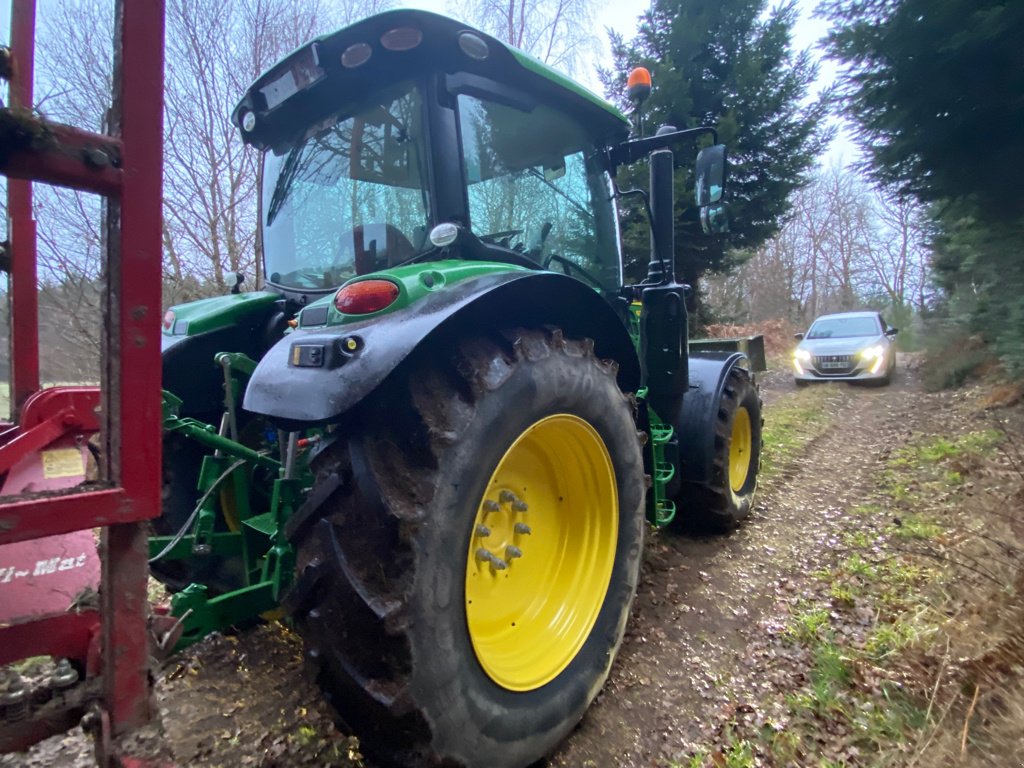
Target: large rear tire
{"type": "Point", "coordinates": [464, 585]}
{"type": "Point", "coordinates": [727, 499]}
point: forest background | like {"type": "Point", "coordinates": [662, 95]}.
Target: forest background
{"type": "Point", "coordinates": [920, 219]}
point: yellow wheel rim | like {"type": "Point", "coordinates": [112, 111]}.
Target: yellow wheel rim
{"type": "Point", "coordinates": [739, 450]}
{"type": "Point", "coordinates": [541, 552]}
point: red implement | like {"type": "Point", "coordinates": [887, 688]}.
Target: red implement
{"type": "Point", "coordinates": [79, 459]}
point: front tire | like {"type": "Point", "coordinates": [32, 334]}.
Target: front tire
{"type": "Point", "coordinates": [464, 586]}
{"type": "Point", "coordinates": [727, 498]}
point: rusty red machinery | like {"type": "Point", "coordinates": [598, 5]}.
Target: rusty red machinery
{"type": "Point", "coordinates": [75, 460]}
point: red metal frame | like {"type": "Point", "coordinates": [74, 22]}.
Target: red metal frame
{"type": "Point", "coordinates": [127, 168]}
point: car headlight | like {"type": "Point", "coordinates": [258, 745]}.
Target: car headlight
{"type": "Point", "coordinates": [802, 355]}
{"type": "Point", "coordinates": [872, 353]}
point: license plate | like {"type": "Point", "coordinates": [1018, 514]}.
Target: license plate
{"type": "Point", "coordinates": [834, 365]}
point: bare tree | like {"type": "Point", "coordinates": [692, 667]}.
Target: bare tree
{"type": "Point", "coordinates": [843, 247]}
{"type": "Point", "coordinates": [558, 32]}
{"type": "Point", "coordinates": [214, 50]}
{"type": "Point", "coordinates": [899, 257]}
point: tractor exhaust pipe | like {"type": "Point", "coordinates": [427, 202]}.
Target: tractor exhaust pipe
{"type": "Point", "coordinates": [663, 325]}
{"type": "Point", "coordinates": [663, 244]}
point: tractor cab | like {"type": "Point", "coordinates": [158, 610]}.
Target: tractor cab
{"type": "Point", "coordinates": [457, 128]}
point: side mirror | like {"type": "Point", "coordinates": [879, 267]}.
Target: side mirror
{"type": "Point", "coordinates": [798, 336]}
{"type": "Point", "coordinates": [890, 331]}
{"type": "Point", "coordinates": [239, 279]}
{"type": "Point", "coordinates": [714, 219]}
{"type": "Point", "coordinates": [710, 174]}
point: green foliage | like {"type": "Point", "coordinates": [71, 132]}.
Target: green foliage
{"type": "Point", "coordinates": [730, 65]}
{"type": "Point", "coordinates": [952, 357]}
{"type": "Point", "coordinates": [978, 263]}
{"type": "Point", "coordinates": [933, 88]}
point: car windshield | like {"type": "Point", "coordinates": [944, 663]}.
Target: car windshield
{"type": "Point", "coordinates": [348, 199]}
{"type": "Point", "coordinates": [534, 185]}
{"type": "Point", "coordinates": [844, 328]}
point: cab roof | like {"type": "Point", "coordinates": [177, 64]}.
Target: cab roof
{"type": "Point", "coordinates": [319, 78]}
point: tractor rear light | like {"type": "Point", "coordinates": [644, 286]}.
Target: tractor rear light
{"type": "Point", "coordinates": [365, 297]}
{"type": "Point", "coordinates": [168, 320]}
{"type": "Point", "coordinates": [401, 39]}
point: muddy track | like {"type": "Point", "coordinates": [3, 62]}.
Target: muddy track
{"type": "Point", "coordinates": [694, 650]}
{"type": "Point", "coordinates": [704, 605]}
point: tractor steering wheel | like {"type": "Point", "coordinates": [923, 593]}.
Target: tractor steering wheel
{"type": "Point", "coordinates": [571, 267]}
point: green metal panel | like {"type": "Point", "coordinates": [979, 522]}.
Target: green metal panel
{"type": "Point", "coordinates": [218, 312]}
{"type": "Point", "coordinates": [751, 346]}
{"type": "Point", "coordinates": [415, 281]}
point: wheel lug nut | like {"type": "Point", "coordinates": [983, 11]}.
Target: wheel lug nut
{"type": "Point", "coordinates": [519, 506]}
{"type": "Point", "coordinates": [507, 497]}
{"type": "Point", "coordinates": [483, 530]}
{"type": "Point", "coordinates": [496, 562]}
{"type": "Point", "coordinates": [523, 529]}
{"type": "Point", "coordinates": [511, 552]}
{"type": "Point", "coordinates": [491, 506]}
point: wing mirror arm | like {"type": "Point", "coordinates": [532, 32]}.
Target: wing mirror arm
{"type": "Point", "coordinates": [630, 151]}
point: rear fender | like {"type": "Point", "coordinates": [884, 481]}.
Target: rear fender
{"type": "Point", "coordinates": [696, 426]}
{"type": "Point", "coordinates": [316, 375]}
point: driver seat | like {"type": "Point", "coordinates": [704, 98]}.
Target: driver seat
{"type": "Point", "coordinates": [379, 246]}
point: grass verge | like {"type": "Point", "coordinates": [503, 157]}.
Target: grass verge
{"type": "Point", "coordinates": [921, 613]}
{"type": "Point", "coordinates": [794, 421]}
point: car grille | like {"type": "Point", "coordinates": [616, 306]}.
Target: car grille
{"type": "Point", "coordinates": [837, 365]}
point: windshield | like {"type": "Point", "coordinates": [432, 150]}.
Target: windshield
{"type": "Point", "coordinates": [535, 186]}
{"type": "Point", "coordinates": [844, 328]}
{"type": "Point", "coordinates": [348, 199]}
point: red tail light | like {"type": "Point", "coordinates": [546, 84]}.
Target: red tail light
{"type": "Point", "coordinates": [365, 297]}
{"type": "Point", "coordinates": [168, 320]}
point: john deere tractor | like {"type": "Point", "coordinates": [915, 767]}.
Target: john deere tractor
{"type": "Point", "coordinates": [436, 436]}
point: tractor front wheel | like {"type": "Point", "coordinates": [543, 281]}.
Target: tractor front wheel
{"type": "Point", "coordinates": [727, 498]}
{"type": "Point", "coordinates": [465, 584]}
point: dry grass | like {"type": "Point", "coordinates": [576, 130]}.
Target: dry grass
{"type": "Point", "coordinates": [972, 671]}
{"type": "Point", "coordinates": [778, 335]}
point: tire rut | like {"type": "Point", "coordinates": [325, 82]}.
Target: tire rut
{"type": "Point", "coordinates": [704, 602]}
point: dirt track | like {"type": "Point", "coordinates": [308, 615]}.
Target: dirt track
{"type": "Point", "coordinates": [701, 648]}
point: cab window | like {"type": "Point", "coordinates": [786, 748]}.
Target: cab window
{"type": "Point", "coordinates": [534, 185]}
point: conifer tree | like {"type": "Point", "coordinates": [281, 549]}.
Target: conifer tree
{"type": "Point", "coordinates": [728, 64]}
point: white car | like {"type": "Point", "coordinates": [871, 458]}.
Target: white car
{"type": "Point", "coordinates": [849, 346]}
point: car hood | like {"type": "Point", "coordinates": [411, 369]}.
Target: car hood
{"type": "Point", "coordinates": [844, 346]}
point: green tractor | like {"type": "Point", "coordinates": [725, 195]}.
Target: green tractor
{"type": "Point", "coordinates": [435, 439]}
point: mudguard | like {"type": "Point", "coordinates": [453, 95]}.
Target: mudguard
{"type": "Point", "coordinates": [316, 375]}
{"type": "Point", "coordinates": [696, 427]}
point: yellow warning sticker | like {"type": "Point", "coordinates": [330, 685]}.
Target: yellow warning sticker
{"type": "Point", "coordinates": [63, 462]}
